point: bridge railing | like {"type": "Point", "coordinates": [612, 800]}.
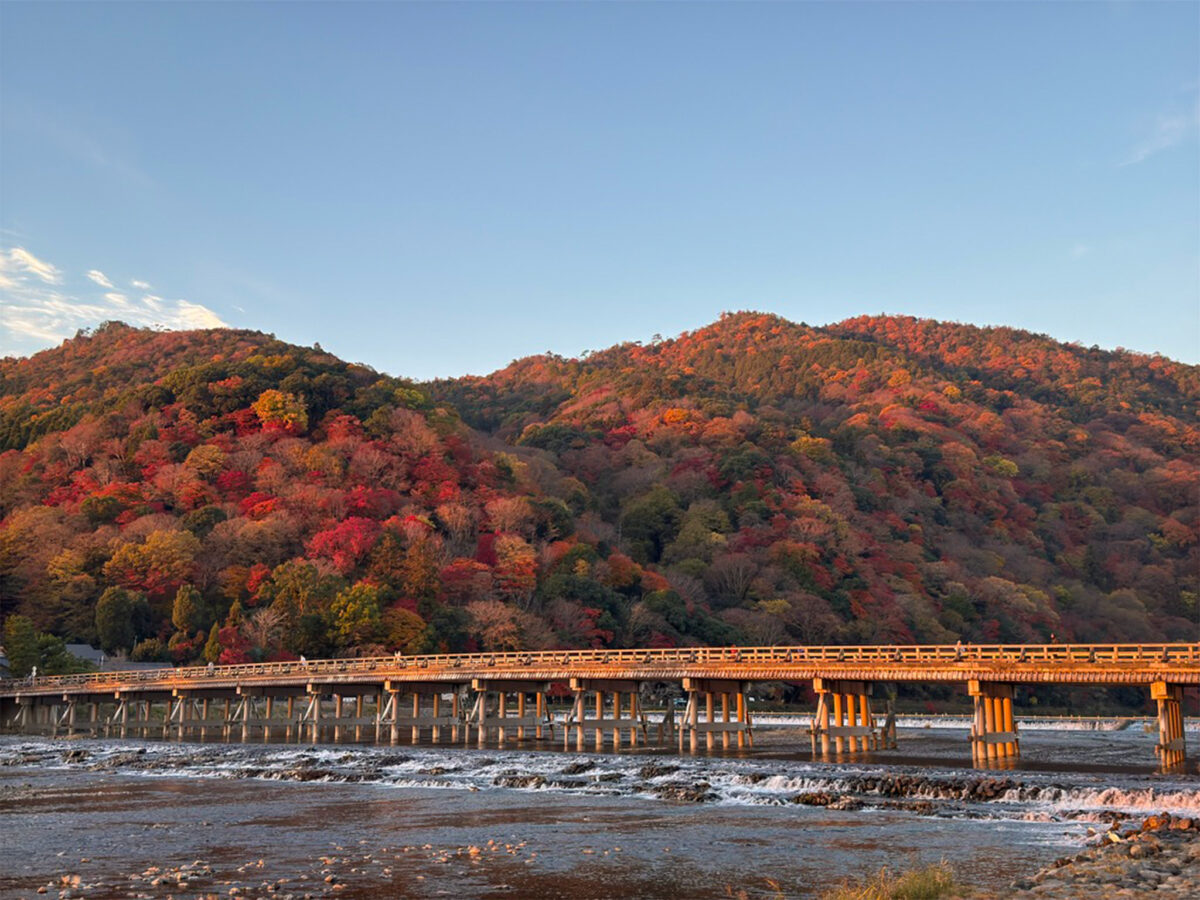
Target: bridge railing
{"type": "Point", "coordinates": [445, 664]}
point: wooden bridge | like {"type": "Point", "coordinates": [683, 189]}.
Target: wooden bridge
{"type": "Point", "coordinates": [483, 697]}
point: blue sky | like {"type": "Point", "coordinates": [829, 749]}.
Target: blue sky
{"type": "Point", "coordinates": [435, 189]}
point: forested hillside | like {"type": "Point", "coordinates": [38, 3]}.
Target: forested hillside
{"type": "Point", "coordinates": [223, 495]}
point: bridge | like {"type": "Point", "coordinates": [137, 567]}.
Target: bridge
{"type": "Point", "coordinates": [500, 697]}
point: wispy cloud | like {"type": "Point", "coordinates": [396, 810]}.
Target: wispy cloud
{"type": "Point", "coordinates": [38, 310]}
{"type": "Point", "coordinates": [100, 278]}
{"type": "Point", "coordinates": [18, 263]}
{"type": "Point", "coordinates": [140, 285]}
{"type": "Point", "coordinates": [1168, 130]}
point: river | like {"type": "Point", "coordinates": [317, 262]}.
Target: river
{"type": "Point", "coordinates": [421, 821]}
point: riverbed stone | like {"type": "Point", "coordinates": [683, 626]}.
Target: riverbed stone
{"type": "Point", "coordinates": [1154, 857]}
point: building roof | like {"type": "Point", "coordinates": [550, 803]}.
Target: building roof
{"type": "Point", "coordinates": [87, 652]}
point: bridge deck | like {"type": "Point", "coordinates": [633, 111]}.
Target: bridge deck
{"type": "Point", "coordinates": [1113, 664]}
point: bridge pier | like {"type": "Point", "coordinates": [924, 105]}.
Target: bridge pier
{"type": "Point", "coordinates": [844, 718]}
{"type": "Point", "coordinates": [1171, 748]}
{"type": "Point", "coordinates": [993, 731]}
{"type": "Point", "coordinates": [501, 722]}
{"type": "Point", "coordinates": [623, 695]}
{"type": "Point", "coordinates": [705, 690]}
{"type": "Point", "coordinates": [389, 709]}
{"type": "Point", "coordinates": [315, 719]}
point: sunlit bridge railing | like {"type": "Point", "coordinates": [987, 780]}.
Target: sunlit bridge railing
{"type": "Point", "coordinates": [642, 662]}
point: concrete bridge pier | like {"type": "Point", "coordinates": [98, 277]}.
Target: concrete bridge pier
{"type": "Point", "coordinates": [703, 692]}
{"type": "Point", "coordinates": [1171, 748]}
{"type": "Point", "coordinates": [844, 719]}
{"type": "Point", "coordinates": [626, 722]}
{"type": "Point", "coordinates": [993, 731]}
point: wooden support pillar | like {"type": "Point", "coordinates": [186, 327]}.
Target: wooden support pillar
{"type": "Point", "coordinates": [706, 690]}
{"type": "Point", "coordinates": [889, 726]}
{"type": "Point", "coordinates": [337, 718]}
{"type": "Point", "coordinates": [598, 735]}
{"type": "Point", "coordinates": [392, 711]}
{"type": "Point", "coordinates": [839, 722]}
{"type": "Point", "coordinates": [993, 730]}
{"type": "Point", "coordinates": [291, 715]}
{"type": "Point", "coordinates": [435, 732]}
{"type": "Point", "coordinates": [539, 703]}
{"type": "Point", "coordinates": [579, 735]}
{"type": "Point", "coordinates": [855, 742]}
{"type": "Point", "coordinates": [1004, 749]}
{"type": "Point", "coordinates": [1171, 748]}
{"type": "Point", "coordinates": [243, 712]}
{"type": "Point", "coordinates": [867, 722]}
{"type": "Point", "coordinates": [843, 718]}
{"type": "Point", "coordinates": [506, 721]}
{"type": "Point", "coordinates": [416, 714]}
{"type": "Point", "coordinates": [455, 713]}
{"type": "Point", "coordinates": [478, 716]}
{"type": "Point", "coordinates": [823, 721]}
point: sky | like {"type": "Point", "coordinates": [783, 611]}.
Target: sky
{"type": "Point", "coordinates": [438, 189]}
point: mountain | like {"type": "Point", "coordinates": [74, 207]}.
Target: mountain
{"type": "Point", "coordinates": [221, 494]}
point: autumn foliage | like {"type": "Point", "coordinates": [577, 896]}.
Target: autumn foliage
{"type": "Point", "coordinates": [756, 481]}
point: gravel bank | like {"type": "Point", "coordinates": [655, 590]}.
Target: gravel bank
{"type": "Point", "coordinates": [1161, 857]}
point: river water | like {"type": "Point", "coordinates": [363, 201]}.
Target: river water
{"type": "Point", "coordinates": [423, 821]}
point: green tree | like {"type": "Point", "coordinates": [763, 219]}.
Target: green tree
{"type": "Point", "coordinates": [402, 629]}
{"type": "Point", "coordinates": [355, 616]}
{"type": "Point", "coordinates": [21, 645]}
{"type": "Point", "coordinates": [212, 648]}
{"type": "Point", "coordinates": [149, 650]}
{"type": "Point", "coordinates": [53, 658]}
{"type": "Point", "coordinates": [186, 611]}
{"type": "Point", "coordinates": [27, 648]}
{"type": "Point", "coordinates": [115, 625]}
{"type": "Point", "coordinates": [650, 523]}
{"type": "Point", "coordinates": [298, 588]}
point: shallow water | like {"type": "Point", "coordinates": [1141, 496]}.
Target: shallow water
{"type": "Point", "coordinates": [575, 824]}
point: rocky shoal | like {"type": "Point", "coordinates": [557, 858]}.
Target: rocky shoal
{"type": "Point", "coordinates": [1161, 856]}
